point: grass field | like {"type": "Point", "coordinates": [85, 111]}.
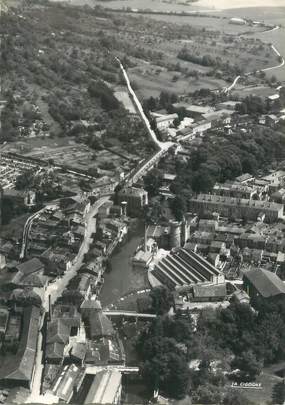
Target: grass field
{"type": "Point", "coordinates": [150, 84]}
{"type": "Point", "coordinates": [210, 23]}
{"type": "Point", "coordinates": [200, 5]}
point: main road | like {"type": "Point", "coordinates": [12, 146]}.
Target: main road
{"type": "Point", "coordinates": [54, 291]}
{"type": "Point", "coordinates": [162, 147]}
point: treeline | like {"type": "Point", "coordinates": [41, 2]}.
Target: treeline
{"type": "Point", "coordinates": [237, 340]}
{"type": "Point", "coordinates": [104, 94]}
{"type": "Point", "coordinates": [208, 61]}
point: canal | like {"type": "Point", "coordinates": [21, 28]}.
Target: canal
{"type": "Point", "coordinates": [123, 278]}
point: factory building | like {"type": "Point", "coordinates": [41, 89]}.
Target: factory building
{"type": "Point", "coordinates": [182, 267]}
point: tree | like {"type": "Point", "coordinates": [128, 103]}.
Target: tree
{"type": "Point", "coordinates": [162, 300]}
{"type": "Point", "coordinates": [165, 367]}
{"type": "Point", "coordinates": [152, 182]}
{"type": "Point", "coordinates": [25, 180]}
{"type": "Point", "coordinates": [249, 366]}
{"type": "Point", "coordinates": [179, 207]}
{"type": "Point", "coordinates": [202, 181]}
{"type": "Point", "coordinates": [207, 394]}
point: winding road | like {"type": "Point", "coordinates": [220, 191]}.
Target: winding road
{"type": "Point", "coordinates": [228, 89]}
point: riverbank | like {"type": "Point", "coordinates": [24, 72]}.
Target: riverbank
{"type": "Point", "coordinates": [123, 277]}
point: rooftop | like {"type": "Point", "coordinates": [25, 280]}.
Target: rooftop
{"type": "Point", "coordinates": [268, 284]}
{"type": "Point", "coordinates": [30, 266]}
{"type": "Point", "coordinates": [223, 200]}
{"type": "Point", "coordinates": [104, 388]}
{"type": "Point", "coordinates": [209, 291]}
{"type": "Point", "coordinates": [21, 369]}
{"type": "Point", "coordinates": [183, 267]}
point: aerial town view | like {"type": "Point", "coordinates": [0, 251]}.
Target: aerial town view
{"type": "Point", "coordinates": [142, 194]}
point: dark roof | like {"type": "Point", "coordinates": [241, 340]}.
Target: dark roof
{"type": "Point", "coordinates": [217, 290]}
{"type": "Point", "coordinates": [58, 332]}
{"type": "Point", "coordinates": [268, 284]}
{"type": "Point", "coordinates": [100, 325]}
{"type": "Point", "coordinates": [30, 266]}
{"type": "Point", "coordinates": [54, 350]}
{"type": "Point", "coordinates": [66, 312]}
{"type": "Point", "coordinates": [22, 367]}
{"type": "Point", "coordinates": [34, 280]}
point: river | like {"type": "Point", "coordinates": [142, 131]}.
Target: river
{"type": "Point", "coordinates": [123, 278]}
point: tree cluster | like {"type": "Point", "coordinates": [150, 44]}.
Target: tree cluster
{"type": "Point", "coordinates": [254, 337]}
{"type": "Point", "coordinates": [208, 60]}
{"type": "Point", "coordinates": [163, 350]}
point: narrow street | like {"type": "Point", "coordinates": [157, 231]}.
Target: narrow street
{"type": "Point", "coordinates": [55, 290]}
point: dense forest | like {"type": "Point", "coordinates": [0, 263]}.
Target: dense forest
{"type": "Point", "coordinates": [239, 340]}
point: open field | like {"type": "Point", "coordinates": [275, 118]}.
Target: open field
{"type": "Point", "coordinates": [277, 38]}
{"type": "Point", "coordinates": [259, 91]}
{"type": "Point", "coordinates": [151, 84]}
{"type": "Point", "coordinates": [210, 23]}
{"type": "Point", "coordinates": [265, 12]}
{"type": "Point", "coordinates": [122, 95]}
{"type": "Point", "coordinates": [201, 5]}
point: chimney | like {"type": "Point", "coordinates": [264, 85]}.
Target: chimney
{"type": "Point", "coordinates": [49, 308]}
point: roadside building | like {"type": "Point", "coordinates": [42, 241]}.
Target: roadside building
{"type": "Point", "coordinates": [105, 389]}
{"type": "Point", "coordinates": [239, 208]}
{"type": "Point", "coordinates": [136, 199]}
{"type": "Point", "coordinates": [18, 369]}
{"type": "Point", "coordinates": [235, 189]}
{"type": "Point", "coordinates": [164, 121]}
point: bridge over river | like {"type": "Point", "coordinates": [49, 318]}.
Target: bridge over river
{"type": "Point", "coordinates": [128, 314]}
